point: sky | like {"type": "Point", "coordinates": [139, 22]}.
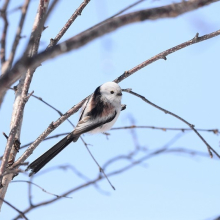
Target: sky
{"type": "Point", "coordinates": [166, 186]}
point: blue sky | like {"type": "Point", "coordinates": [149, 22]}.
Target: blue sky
{"type": "Point", "coordinates": [167, 186]}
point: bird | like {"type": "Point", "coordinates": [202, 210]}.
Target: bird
{"type": "Point", "coordinates": [98, 114]}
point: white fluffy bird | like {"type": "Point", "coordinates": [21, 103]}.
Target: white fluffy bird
{"type": "Point", "coordinates": [99, 113]}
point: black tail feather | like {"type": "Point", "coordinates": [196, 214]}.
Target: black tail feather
{"type": "Point", "coordinates": [41, 161]}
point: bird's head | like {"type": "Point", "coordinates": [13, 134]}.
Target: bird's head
{"type": "Point", "coordinates": [111, 92]}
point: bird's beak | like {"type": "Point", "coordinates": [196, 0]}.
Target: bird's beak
{"type": "Point", "coordinates": [119, 94]}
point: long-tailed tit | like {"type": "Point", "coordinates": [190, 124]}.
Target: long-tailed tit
{"type": "Point", "coordinates": [99, 113]}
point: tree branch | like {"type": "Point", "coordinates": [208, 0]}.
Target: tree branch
{"type": "Point", "coordinates": [4, 32]}
{"type": "Point", "coordinates": [22, 98]}
{"type": "Point", "coordinates": [17, 37]}
{"type": "Point", "coordinates": [164, 54]}
{"type": "Point", "coordinates": [51, 8]}
{"type": "Point", "coordinates": [209, 148]}
{"type": "Point", "coordinates": [29, 182]}
{"type": "Point", "coordinates": [214, 131]}
{"type": "Point", "coordinates": [20, 212]}
{"type": "Point", "coordinates": [54, 41]}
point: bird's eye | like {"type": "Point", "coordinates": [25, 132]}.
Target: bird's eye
{"type": "Point", "coordinates": [112, 92]}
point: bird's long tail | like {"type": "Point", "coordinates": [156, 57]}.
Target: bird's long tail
{"type": "Point", "coordinates": [41, 161]}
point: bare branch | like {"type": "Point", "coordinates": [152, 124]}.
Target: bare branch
{"type": "Point", "coordinates": [74, 170]}
{"type": "Point", "coordinates": [20, 212]}
{"type": "Point", "coordinates": [85, 37]}
{"type": "Point", "coordinates": [54, 41]}
{"type": "Point", "coordinates": [17, 37]}
{"type": "Point", "coordinates": [118, 13]}
{"type": "Point", "coordinates": [100, 168]}
{"type": "Point", "coordinates": [4, 33]}
{"type": "Point", "coordinates": [164, 54]}
{"type": "Point", "coordinates": [21, 98]}
{"type": "Point", "coordinates": [51, 8]}
{"type": "Point", "coordinates": [29, 182]}
{"type": "Point", "coordinates": [210, 149]}
{"type": "Point", "coordinates": [214, 131]}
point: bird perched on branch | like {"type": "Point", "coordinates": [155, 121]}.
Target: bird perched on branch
{"type": "Point", "coordinates": [99, 113]}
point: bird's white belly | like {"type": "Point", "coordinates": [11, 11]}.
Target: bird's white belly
{"type": "Point", "coordinates": [106, 126]}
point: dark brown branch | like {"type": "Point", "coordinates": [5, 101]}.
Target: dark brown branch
{"type": "Point", "coordinates": [209, 148]}
{"type": "Point", "coordinates": [85, 37]}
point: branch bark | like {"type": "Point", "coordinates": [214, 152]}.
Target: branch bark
{"type": "Point", "coordinates": [20, 100]}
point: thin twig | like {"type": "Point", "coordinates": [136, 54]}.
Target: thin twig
{"type": "Point", "coordinates": [78, 11]}
{"type": "Point", "coordinates": [165, 53]}
{"type": "Point", "coordinates": [18, 34]}
{"type": "Point", "coordinates": [209, 148]}
{"type": "Point", "coordinates": [51, 8]}
{"type": "Point", "coordinates": [214, 131]}
{"type": "Point", "coordinates": [75, 171]}
{"type": "Point", "coordinates": [48, 138]}
{"type": "Point", "coordinates": [29, 182]}
{"type": "Point", "coordinates": [4, 32]}
{"type": "Point", "coordinates": [115, 15]}
{"type": "Point", "coordinates": [54, 108]}
{"type": "Point", "coordinates": [13, 207]}
{"type": "Point", "coordinates": [100, 168]}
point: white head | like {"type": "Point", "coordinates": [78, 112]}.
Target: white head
{"type": "Point", "coordinates": [112, 92]}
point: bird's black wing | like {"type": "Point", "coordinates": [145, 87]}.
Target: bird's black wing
{"type": "Point", "coordinates": [88, 123]}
